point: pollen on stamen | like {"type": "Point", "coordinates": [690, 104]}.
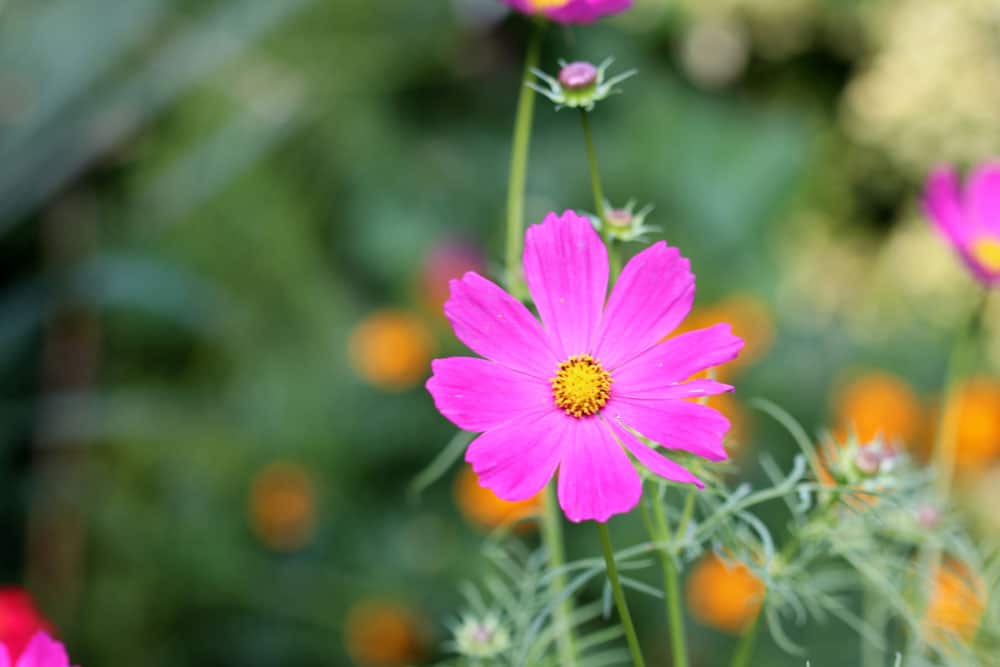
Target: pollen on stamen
{"type": "Point", "coordinates": [581, 386]}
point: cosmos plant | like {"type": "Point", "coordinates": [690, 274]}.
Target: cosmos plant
{"type": "Point", "coordinates": [597, 406]}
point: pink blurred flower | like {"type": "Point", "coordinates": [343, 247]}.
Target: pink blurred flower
{"type": "Point", "coordinates": [42, 651]}
{"type": "Point", "coordinates": [572, 392]}
{"type": "Point", "coordinates": [570, 11]}
{"type": "Point", "coordinates": [445, 261]}
{"type": "Point", "coordinates": [969, 218]}
{"type": "Point", "coordinates": [19, 620]}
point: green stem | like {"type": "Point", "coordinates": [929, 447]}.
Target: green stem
{"type": "Point", "coordinates": [659, 532]}
{"type": "Point", "coordinates": [595, 186]}
{"type": "Point", "coordinates": [945, 444]}
{"type": "Point", "coordinates": [744, 650]}
{"type": "Point", "coordinates": [873, 609]}
{"type": "Point", "coordinates": [946, 441]}
{"type": "Point", "coordinates": [685, 515]}
{"type": "Point", "coordinates": [671, 586]}
{"type": "Point", "coordinates": [619, 595]}
{"type": "Point", "coordinates": [519, 166]}
{"type": "Point", "coordinates": [553, 540]}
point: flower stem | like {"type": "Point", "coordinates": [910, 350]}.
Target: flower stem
{"type": "Point", "coordinates": [874, 613]}
{"type": "Point", "coordinates": [945, 445]}
{"type": "Point", "coordinates": [519, 165]}
{"type": "Point", "coordinates": [744, 650]}
{"type": "Point", "coordinates": [619, 595]}
{"type": "Point", "coordinates": [553, 540]}
{"type": "Point", "coordinates": [595, 186]}
{"type": "Point", "coordinates": [659, 532]}
{"type": "Point", "coordinates": [946, 442]}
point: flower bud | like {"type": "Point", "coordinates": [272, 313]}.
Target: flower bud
{"type": "Point", "coordinates": [578, 75]}
{"type": "Point", "coordinates": [928, 516]}
{"type": "Point", "coordinates": [481, 638]}
{"type": "Point", "coordinates": [626, 224]}
{"type": "Point", "coordinates": [867, 461]}
{"type": "Point", "coordinates": [579, 84]}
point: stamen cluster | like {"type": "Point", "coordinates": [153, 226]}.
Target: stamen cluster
{"type": "Point", "coordinates": [582, 386]}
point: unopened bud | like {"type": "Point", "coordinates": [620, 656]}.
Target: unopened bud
{"type": "Point", "coordinates": [868, 461]}
{"type": "Point", "coordinates": [481, 637]}
{"type": "Point", "coordinates": [928, 516]}
{"type": "Point", "coordinates": [579, 85]}
{"type": "Point", "coordinates": [578, 75]}
{"type": "Point", "coordinates": [619, 217]}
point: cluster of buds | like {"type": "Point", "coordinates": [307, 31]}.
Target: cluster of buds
{"type": "Point", "coordinates": [579, 85]}
{"type": "Point", "coordinates": [855, 462]}
{"type": "Point", "coordinates": [482, 637]}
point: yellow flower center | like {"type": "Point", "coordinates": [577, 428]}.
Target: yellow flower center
{"type": "Point", "coordinates": [582, 386]}
{"type": "Point", "coordinates": [987, 252]}
{"type": "Point", "coordinates": [548, 4]}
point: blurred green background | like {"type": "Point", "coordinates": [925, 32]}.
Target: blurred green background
{"type": "Point", "coordinates": [226, 229]}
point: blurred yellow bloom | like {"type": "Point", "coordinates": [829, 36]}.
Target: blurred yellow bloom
{"type": "Point", "coordinates": [282, 506]}
{"type": "Point", "coordinates": [725, 596]}
{"type": "Point", "coordinates": [391, 350]}
{"type": "Point", "coordinates": [947, 113]}
{"type": "Point", "coordinates": [383, 634]}
{"type": "Point", "coordinates": [978, 437]}
{"type": "Point", "coordinates": [750, 319]}
{"type": "Point", "coordinates": [482, 507]}
{"type": "Point", "coordinates": [957, 604]}
{"type": "Point", "coordinates": [878, 403]}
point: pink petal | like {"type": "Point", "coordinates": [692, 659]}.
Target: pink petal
{"type": "Point", "coordinates": [587, 11]}
{"type": "Point", "coordinates": [663, 365]}
{"type": "Point", "coordinates": [515, 460]}
{"type": "Point", "coordinates": [43, 651]}
{"type": "Point", "coordinates": [498, 326]}
{"type": "Point", "coordinates": [674, 424]}
{"type": "Point", "coordinates": [652, 296]}
{"type": "Point", "coordinates": [566, 268]}
{"type": "Point", "coordinates": [655, 461]}
{"type": "Point", "coordinates": [478, 395]}
{"type": "Point", "coordinates": [683, 390]}
{"type": "Point", "coordinates": [943, 204]}
{"type": "Point", "coordinates": [983, 198]}
{"type": "Point", "coordinates": [574, 11]}
{"type": "Point", "coordinates": [4, 656]}
{"type": "Point", "coordinates": [596, 478]}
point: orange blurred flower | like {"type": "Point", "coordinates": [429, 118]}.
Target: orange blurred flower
{"type": "Point", "coordinates": [750, 319]}
{"type": "Point", "coordinates": [724, 595]}
{"type": "Point", "coordinates": [391, 350]}
{"type": "Point", "coordinates": [482, 507]}
{"type": "Point", "coordinates": [957, 604]}
{"type": "Point", "coordinates": [282, 506]}
{"type": "Point", "coordinates": [739, 419]}
{"type": "Point", "coordinates": [383, 634]}
{"type": "Point", "coordinates": [878, 403]}
{"type": "Point", "coordinates": [978, 437]}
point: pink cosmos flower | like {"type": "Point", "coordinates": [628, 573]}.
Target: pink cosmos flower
{"type": "Point", "coordinates": [19, 619]}
{"type": "Point", "coordinates": [570, 11]}
{"type": "Point", "coordinates": [42, 651]}
{"type": "Point", "coordinates": [573, 392]}
{"type": "Point", "coordinates": [969, 218]}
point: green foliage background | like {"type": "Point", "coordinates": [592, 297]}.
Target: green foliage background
{"type": "Point", "coordinates": [206, 197]}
